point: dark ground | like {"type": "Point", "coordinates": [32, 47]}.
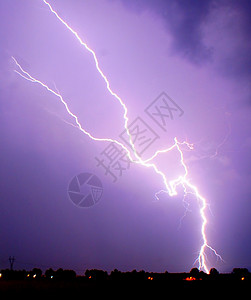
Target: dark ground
{"type": "Point", "coordinates": [165, 289]}
{"type": "Point", "coordinates": [140, 284]}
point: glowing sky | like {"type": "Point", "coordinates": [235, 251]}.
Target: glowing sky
{"type": "Point", "coordinates": [197, 54]}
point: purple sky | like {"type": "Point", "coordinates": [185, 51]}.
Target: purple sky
{"type": "Point", "coordinates": [197, 52]}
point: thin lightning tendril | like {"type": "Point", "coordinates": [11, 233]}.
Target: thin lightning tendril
{"type": "Point", "coordinates": [171, 186]}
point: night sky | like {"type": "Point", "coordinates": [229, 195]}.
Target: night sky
{"type": "Point", "coordinates": [195, 53]}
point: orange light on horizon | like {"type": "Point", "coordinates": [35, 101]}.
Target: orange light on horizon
{"type": "Point", "coordinates": [150, 278]}
{"type": "Point", "coordinates": [190, 278]}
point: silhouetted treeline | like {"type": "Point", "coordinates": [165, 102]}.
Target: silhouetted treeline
{"type": "Point", "coordinates": [35, 273]}
{"type": "Point", "coordinates": [194, 274]}
{"type": "Point", "coordinates": [116, 275]}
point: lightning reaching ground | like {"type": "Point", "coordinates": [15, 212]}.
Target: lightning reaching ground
{"type": "Point", "coordinates": [170, 187]}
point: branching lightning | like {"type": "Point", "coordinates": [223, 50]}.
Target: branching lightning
{"type": "Point", "coordinates": [170, 186]}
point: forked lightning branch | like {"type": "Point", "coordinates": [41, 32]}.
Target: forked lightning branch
{"type": "Point", "coordinates": [130, 148]}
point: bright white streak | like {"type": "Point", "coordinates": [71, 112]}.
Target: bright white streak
{"type": "Point", "coordinates": [170, 186]}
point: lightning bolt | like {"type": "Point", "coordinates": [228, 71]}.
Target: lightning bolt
{"type": "Point", "coordinates": [170, 186]}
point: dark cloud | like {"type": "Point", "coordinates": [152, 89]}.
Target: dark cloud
{"type": "Point", "coordinates": [238, 63]}
{"type": "Point", "coordinates": [182, 19]}
{"type": "Point", "coordinates": [185, 19]}
{"type": "Point", "coordinates": [186, 29]}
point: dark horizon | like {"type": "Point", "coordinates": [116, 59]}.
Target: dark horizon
{"type": "Point", "coordinates": [95, 274]}
{"type": "Point", "coordinates": [99, 281]}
